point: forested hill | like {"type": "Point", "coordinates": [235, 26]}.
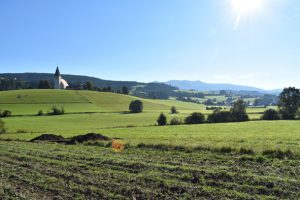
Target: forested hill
{"type": "Point", "coordinates": [71, 79]}
{"type": "Point", "coordinates": [12, 81]}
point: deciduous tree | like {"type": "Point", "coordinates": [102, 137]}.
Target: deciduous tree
{"type": "Point", "coordinates": [289, 102]}
{"type": "Point", "coordinates": [136, 106]}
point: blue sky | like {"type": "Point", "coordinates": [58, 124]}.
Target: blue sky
{"type": "Point", "coordinates": [154, 40]}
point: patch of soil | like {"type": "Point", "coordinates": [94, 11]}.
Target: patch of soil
{"type": "Point", "coordinates": [87, 137]}
{"type": "Point", "coordinates": [49, 138]}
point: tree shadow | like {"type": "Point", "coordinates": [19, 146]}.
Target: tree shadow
{"type": "Point", "coordinates": [126, 112]}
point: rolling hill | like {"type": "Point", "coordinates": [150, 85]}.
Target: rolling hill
{"type": "Point", "coordinates": [202, 86]}
{"type": "Point", "coordinates": [84, 110]}
{"type": "Point", "coordinates": [29, 102]}
{"type": "Point", "coordinates": [76, 80]}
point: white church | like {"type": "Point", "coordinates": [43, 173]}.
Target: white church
{"type": "Point", "coordinates": [59, 82]}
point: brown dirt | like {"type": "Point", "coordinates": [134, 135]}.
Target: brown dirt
{"type": "Point", "coordinates": [49, 138]}
{"type": "Point", "coordinates": [87, 137]}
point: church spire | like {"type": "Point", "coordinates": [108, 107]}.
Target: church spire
{"type": "Point", "coordinates": [57, 72]}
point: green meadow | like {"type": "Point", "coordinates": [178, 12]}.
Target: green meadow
{"type": "Point", "coordinates": [107, 113]}
{"type": "Point", "coordinates": [249, 160]}
{"type": "Point", "coordinates": [92, 109]}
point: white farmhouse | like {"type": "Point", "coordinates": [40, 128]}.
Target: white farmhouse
{"type": "Point", "coordinates": [59, 82]}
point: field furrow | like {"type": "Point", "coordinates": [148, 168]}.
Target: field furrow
{"type": "Point", "coordinates": [97, 172]}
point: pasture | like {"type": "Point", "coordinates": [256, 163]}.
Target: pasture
{"type": "Point", "coordinates": [36, 171]}
{"type": "Point", "coordinates": [249, 160]}
{"type": "Point", "coordinates": [108, 109]}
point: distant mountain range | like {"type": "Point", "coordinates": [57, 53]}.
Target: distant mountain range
{"type": "Point", "coordinates": [202, 86]}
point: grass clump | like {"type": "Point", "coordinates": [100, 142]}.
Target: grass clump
{"type": "Point", "coordinates": [2, 127]}
{"type": "Point", "coordinates": [278, 153]}
{"type": "Point", "coordinates": [246, 158]}
{"type": "Point", "coordinates": [161, 147]}
{"type": "Point", "coordinates": [260, 159]}
{"type": "Point", "coordinates": [243, 150]}
{"type": "Point", "coordinates": [164, 147]}
{"type": "Point", "coordinates": [56, 111]}
{"type": "Point", "coordinates": [22, 131]}
{"type": "Point", "coordinates": [224, 149]}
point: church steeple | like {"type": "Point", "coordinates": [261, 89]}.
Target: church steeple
{"type": "Point", "coordinates": [59, 82]}
{"type": "Point", "coordinates": [57, 72]}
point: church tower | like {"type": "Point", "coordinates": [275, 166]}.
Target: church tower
{"type": "Point", "coordinates": [57, 79]}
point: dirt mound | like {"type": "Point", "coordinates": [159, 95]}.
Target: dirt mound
{"type": "Point", "coordinates": [49, 137]}
{"type": "Point", "coordinates": [87, 137]}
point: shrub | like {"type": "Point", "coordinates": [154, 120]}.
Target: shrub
{"type": "Point", "coordinates": [136, 106]}
{"type": "Point", "coordinates": [173, 110]}
{"type": "Point", "coordinates": [40, 113]}
{"type": "Point", "coordinates": [56, 111]}
{"type": "Point", "coordinates": [219, 116]}
{"type": "Point", "coordinates": [195, 118]}
{"type": "Point", "coordinates": [2, 127]}
{"type": "Point", "coordinates": [162, 119]}
{"type": "Point", "coordinates": [270, 114]}
{"type": "Point", "coordinates": [5, 113]}
{"type": "Point", "coordinates": [175, 121]}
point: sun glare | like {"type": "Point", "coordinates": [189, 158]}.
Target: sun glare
{"type": "Point", "coordinates": [245, 7]}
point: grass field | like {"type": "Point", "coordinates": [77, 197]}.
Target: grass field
{"type": "Point", "coordinates": [249, 160]}
{"type": "Point", "coordinates": [32, 101]}
{"type": "Point", "coordinates": [87, 110]}
{"type": "Point", "coordinates": [33, 171]}
{"type": "Point", "coordinates": [257, 135]}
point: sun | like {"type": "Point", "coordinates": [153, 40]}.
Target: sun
{"type": "Point", "coordinates": [245, 7]}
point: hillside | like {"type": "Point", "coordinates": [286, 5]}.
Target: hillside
{"type": "Point", "coordinates": [72, 79]}
{"type": "Point", "coordinates": [11, 81]}
{"type": "Point", "coordinates": [202, 86]}
{"type": "Point", "coordinates": [31, 101]}
{"type": "Point", "coordinates": [83, 110]}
